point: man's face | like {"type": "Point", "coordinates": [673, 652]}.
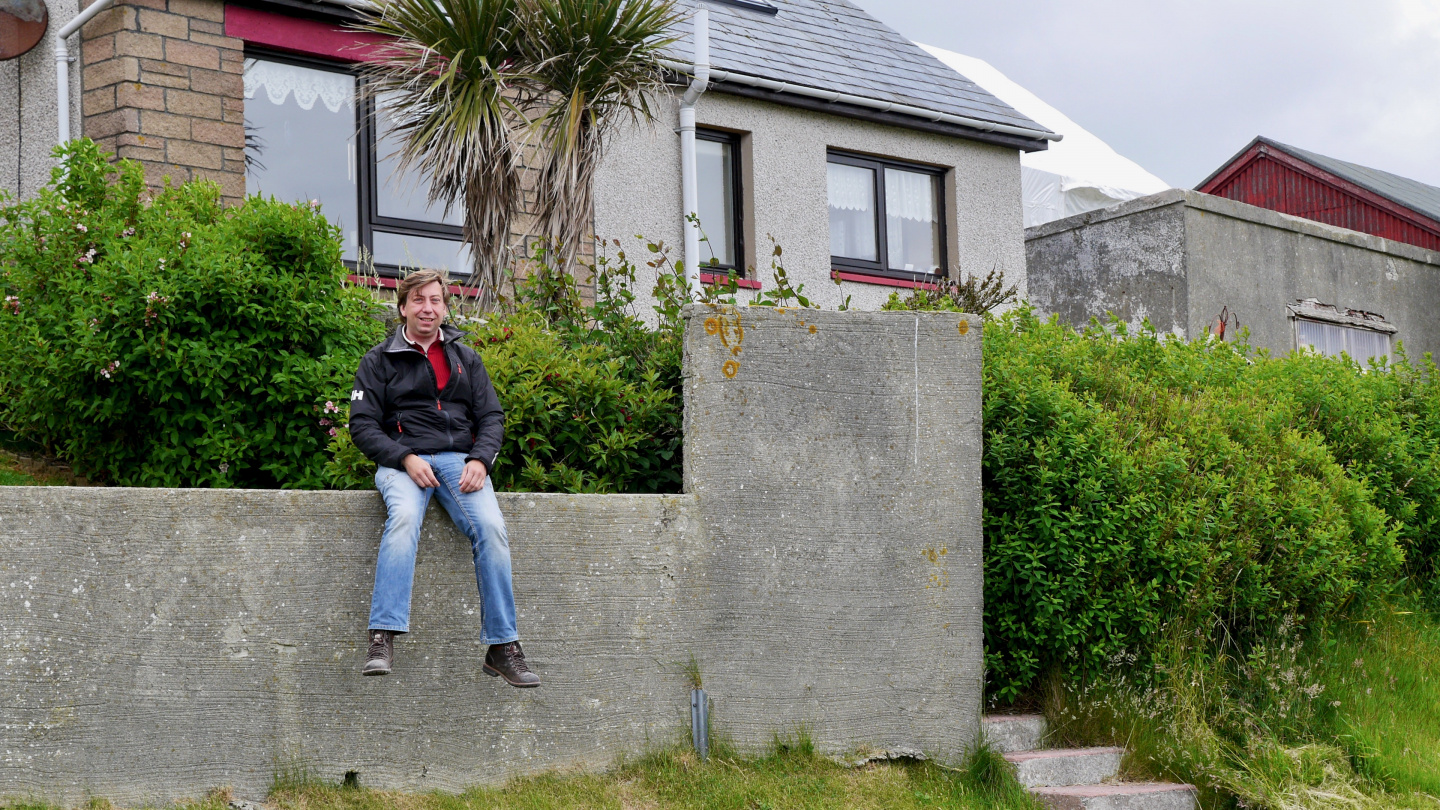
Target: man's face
{"type": "Point", "coordinates": [423, 311]}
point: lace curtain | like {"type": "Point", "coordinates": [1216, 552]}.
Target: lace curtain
{"type": "Point", "coordinates": [852, 188]}
{"type": "Point", "coordinates": [280, 81]}
{"type": "Point", "coordinates": [909, 195]}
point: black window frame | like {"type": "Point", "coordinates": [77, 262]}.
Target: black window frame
{"type": "Point", "coordinates": [367, 180]}
{"type": "Point", "coordinates": [737, 191]}
{"type": "Point", "coordinates": [880, 267]}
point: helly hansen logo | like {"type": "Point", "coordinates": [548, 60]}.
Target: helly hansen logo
{"type": "Point", "coordinates": [357, 395]}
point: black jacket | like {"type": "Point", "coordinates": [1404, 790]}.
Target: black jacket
{"type": "Point", "coordinates": [396, 409]}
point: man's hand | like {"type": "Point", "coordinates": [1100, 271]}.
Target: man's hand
{"type": "Point", "coordinates": [473, 478]}
{"type": "Point", "coordinates": [420, 472]}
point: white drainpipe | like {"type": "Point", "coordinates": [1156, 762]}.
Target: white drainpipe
{"type": "Point", "coordinates": [62, 65]}
{"type": "Point", "coordinates": [689, 192]}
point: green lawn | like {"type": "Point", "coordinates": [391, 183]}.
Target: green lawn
{"type": "Point", "coordinates": [11, 476]}
{"type": "Point", "coordinates": [1386, 677]}
{"type": "Point", "coordinates": [791, 776]}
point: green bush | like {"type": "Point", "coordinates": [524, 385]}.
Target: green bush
{"type": "Point", "coordinates": [172, 342]}
{"type": "Point", "coordinates": [591, 393]}
{"type": "Point", "coordinates": [1135, 485]}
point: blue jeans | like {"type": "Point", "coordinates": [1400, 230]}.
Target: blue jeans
{"type": "Point", "coordinates": [477, 514]}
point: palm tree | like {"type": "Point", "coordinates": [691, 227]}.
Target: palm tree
{"type": "Point", "coordinates": [452, 79]}
{"type": "Point", "coordinates": [597, 62]}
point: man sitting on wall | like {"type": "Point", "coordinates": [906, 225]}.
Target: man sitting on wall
{"type": "Point", "coordinates": [424, 410]}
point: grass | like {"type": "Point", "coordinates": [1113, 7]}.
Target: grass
{"type": "Point", "coordinates": [791, 775]}
{"type": "Point", "coordinates": [1348, 718]}
{"type": "Point", "coordinates": [10, 473]}
{"type": "Point", "coordinates": [1386, 676]}
{"type": "Point", "coordinates": [12, 476]}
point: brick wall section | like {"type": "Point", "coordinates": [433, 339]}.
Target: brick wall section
{"type": "Point", "coordinates": [163, 85]}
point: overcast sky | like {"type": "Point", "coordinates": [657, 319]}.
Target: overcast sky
{"type": "Point", "coordinates": [1179, 88]}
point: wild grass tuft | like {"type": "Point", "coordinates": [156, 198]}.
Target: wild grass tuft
{"type": "Point", "coordinates": [1346, 718]}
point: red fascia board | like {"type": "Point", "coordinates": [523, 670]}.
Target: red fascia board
{"type": "Point", "coordinates": [883, 281]}
{"type": "Point", "coordinates": [302, 36]}
{"type": "Point", "coordinates": [1225, 173]}
{"type": "Point", "coordinates": [717, 278]}
{"type": "Point", "coordinates": [392, 283]}
{"type": "Point", "coordinates": [1261, 151]}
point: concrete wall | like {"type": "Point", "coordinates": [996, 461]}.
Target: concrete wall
{"type": "Point", "coordinates": [1131, 264]}
{"type": "Point", "coordinates": [1179, 257]}
{"type": "Point", "coordinates": [823, 570]}
{"type": "Point", "coordinates": [28, 123]}
{"type": "Point", "coordinates": [638, 190]}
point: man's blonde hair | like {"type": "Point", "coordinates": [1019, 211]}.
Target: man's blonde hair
{"type": "Point", "coordinates": [415, 281]}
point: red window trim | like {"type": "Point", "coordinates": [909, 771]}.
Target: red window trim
{"type": "Point", "coordinates": [297, 35]}
{"type": "Point", "coordinates": [882, 281]}
{"type": "Point", "coordinates": [719, 278]}
{"type": "Point", "coordinates": [392, 283]}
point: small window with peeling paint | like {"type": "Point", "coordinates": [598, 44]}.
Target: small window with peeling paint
{"type": "Point", "coordinates": [1332, 331]}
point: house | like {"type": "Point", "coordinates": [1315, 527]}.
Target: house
{"type": "Point", "coordinates": [1293, 181]}
{"type": "Point", "coordinates": [1193, 263]}
{"type": "Point", "coordinates": [870, 161]}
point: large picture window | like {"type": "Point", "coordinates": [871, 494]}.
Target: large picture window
{"type": "Point", "coordinates": [311, 135]}
{"type": "Point", "coordinates": [886, 217]}
{"type": "Point", "coordinates": [717, 162]}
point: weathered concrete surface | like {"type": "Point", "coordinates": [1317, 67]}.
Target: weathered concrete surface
{"type": "Point", "coordinates": [157, 643]}
{"type": "Point", "coordinates": [1010, 733]}
{"type": "Point", "coordinates": [836, 468]}
{"type": "Point", "coordinates": [1132, 266]}
{"type": "Point", "coordinates": [823, 571]}
{"type": "Point", "coordinates": [1066, 767]}
{"type": "Point", "coordinates": [1180, 257]}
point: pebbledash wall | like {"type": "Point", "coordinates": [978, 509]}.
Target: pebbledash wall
{"type": "Point", "coordinates": [783, 151]}
{"type": "Point", "coordinates": [823, 570]}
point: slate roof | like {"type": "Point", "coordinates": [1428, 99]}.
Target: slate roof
{"type": "Point", "coordinates": [833, 45]}
{"type": "Point", "coordinates": [1413, 194]}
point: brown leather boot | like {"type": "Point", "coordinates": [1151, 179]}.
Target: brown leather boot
{"type": "Point", "coordinates": [382, 652]}
{"type": "Point", "coordinates": [508, 661]}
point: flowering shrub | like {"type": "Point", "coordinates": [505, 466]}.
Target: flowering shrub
{"type": "Point", "coordinates": [170, 342]}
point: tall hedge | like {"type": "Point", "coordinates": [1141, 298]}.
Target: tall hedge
{"type": "Point", "coordinates": [1136, 485]}
{"type": "Point", "coordinates": [169, 341]}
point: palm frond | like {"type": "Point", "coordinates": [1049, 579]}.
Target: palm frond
{"type": "Point", "coordinates": [450, 75]}
{"type": "Point", "coordinates": [598, 61]}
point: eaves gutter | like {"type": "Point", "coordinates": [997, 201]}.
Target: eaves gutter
{"type": "Point", "coordinates": [799, 95]}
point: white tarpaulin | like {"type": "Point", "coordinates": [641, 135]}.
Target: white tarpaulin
{"type": "Point", "coordinates": [1078, 174]}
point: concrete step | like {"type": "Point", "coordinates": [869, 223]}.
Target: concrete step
{"type": "Point", "coordinates": [1119, 796]}
{"type": "Point", "coordinates": [1009, 733]}
{"type": "Point", "coordinates": [1062, 767]}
